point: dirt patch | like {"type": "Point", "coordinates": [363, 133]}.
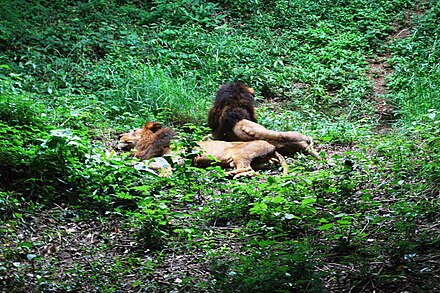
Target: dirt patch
{"type": "Point", "coordinates": [380, 69]}
{"type": "Point", "coordinates": [339, 149]}
{"type": "Point", "coordinates": [68, 248]}
{"type": "Point", "coordinates": [378, 72]}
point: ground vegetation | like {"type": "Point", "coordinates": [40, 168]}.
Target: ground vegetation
{"type": "Point", "coordinates": [360, 77]}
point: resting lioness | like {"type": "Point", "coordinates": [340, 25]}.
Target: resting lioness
{"type": "Point", "coordinates": [244, 157]}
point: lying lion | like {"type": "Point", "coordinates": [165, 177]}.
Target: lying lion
{"type": "Point", "coordinates": [243, 157]}
{"type": "Point", "coordinates": [153, 140]}
{"type": "Point", "coordinates": [232, 117]}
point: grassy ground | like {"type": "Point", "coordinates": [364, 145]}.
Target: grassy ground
{"type": "Point", "coordinates": [361, 78]}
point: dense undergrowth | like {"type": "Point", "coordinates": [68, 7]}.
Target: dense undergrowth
{"type": "Point", "coordinates": [76, 216]}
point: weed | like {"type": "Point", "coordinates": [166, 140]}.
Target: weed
{"type": "Point", "coordinates": [72, 75]}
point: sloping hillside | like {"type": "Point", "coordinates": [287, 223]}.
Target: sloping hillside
{"type": "Point", "coordinates": [360, 77]}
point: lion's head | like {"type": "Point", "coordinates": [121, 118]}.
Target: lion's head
{"type": "Point", "coordinates": [153, 140]}
{"type": "Point", "coordinates": [233, 102]}
{"type": "Point", "coordinates": [129, 140]}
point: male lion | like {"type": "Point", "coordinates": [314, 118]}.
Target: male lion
{"type": "Point", "coordinates": [233, 102]}
{"type": "Point", "coordinates": [153, 140]}
{"type": "Point", "coordinates": [233, 118]}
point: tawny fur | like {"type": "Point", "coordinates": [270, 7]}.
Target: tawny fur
{"type": "Point", "coordinates": [154, 141]}
{"type": "Point", "coordinates": [233, 118]}
{"type": "Point", "coordinates": [128, 141]}
{"type": "Point", "coordinates": [286, 142]}
{"type": "Point", "coordinates": [243, 157]}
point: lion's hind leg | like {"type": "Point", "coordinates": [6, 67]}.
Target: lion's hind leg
{"type": "Point", "coordinates": [242, 166]}
{"type": "Point", "coordinates": [282, 161]}
{"type": "Point", "coordinates": [237, 173]}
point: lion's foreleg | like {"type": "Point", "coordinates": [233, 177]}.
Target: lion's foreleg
{"type": "Point", "coordinates": [247, 130]}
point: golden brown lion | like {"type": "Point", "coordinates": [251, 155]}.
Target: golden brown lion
{"type": "Point", "coordinates": [243, 157]}
{"type": "Point", "coordinates": [233, 118]}
{"type": "Point", "coordinates": [152, 140]}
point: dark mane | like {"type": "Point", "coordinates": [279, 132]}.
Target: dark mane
{"type": "Point", "coordinates": [233, 102]}
{"type": "Point", "coordinates": [154, 141]}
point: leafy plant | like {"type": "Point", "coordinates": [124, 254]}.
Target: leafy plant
{"type": "Point", "coordinates": [289, 269]}
{"type": "Point", "coordinates": [75, 74]}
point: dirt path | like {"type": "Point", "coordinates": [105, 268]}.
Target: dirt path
{"type": "Point", "coordinates": [380, 70]}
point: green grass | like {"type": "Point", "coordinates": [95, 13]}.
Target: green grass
{"type": "Point", "coordinates": [415, 81]}
{"type": "Point", "coordinates": [74, 75]}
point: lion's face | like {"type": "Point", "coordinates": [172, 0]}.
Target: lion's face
{"type": "Point", "coordinates": [130, 139]}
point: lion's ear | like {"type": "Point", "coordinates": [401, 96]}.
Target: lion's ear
{"type": "Point", "coordinates": [250, 90]}
{"type": "Point", "coordinates": [153, 126]}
